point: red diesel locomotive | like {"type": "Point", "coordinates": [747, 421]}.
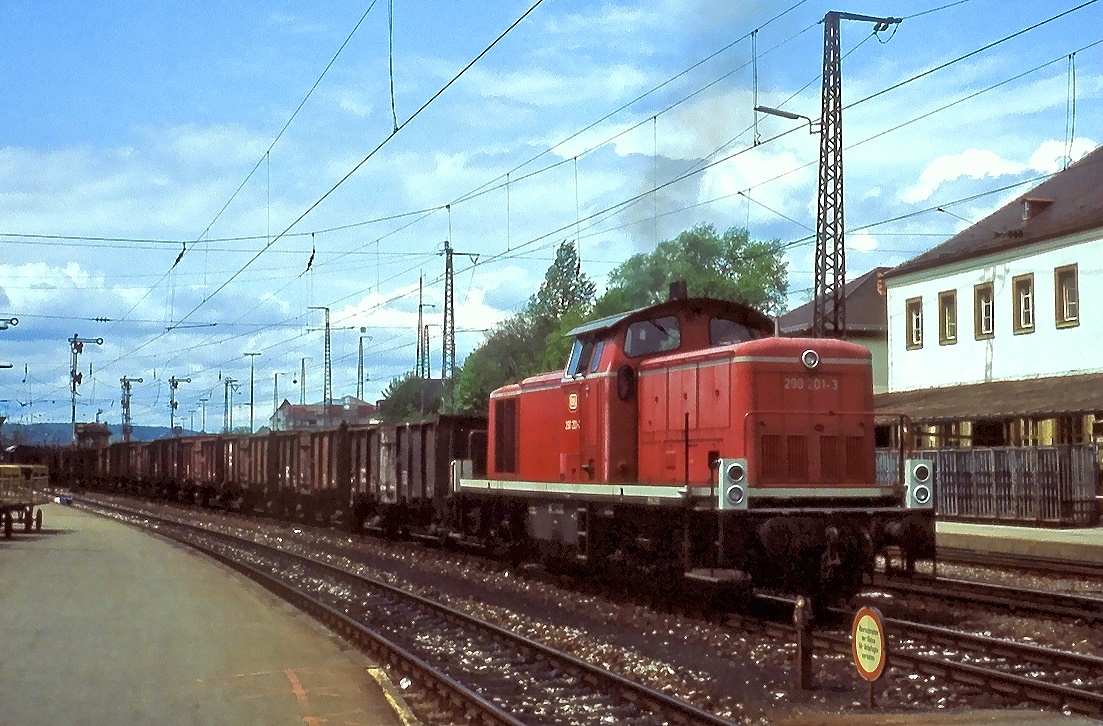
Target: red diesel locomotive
{"type": "Point", "coordinates": [682, 440]}
{"type": "Point", "coordinates": [686, 438]}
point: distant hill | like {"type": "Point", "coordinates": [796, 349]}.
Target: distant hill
{"type": "Point", "coordinates": [59, 434]}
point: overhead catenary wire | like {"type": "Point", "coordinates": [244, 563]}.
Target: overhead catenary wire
{"type": "Point", "coordinates": [263, 156]}
{"type": "Point", "coordinates": [348, 175]}
{"type": "Point", "coordinates": [576, 220]}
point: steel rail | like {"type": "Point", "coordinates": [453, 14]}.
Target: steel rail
{"type": "Point", "coordinates": [676, 710]}
{"type": "Point", "coordinates": [991, 678]}
{"type": "Point", "coordinates": [1024, 562]}
{"type": "Point", "coordinates": [1015, 599]}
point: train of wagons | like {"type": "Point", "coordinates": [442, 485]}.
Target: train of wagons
{"type": "Point", "coordinates": [683, 439]}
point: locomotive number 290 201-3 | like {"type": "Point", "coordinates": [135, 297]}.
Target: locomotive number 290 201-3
{"type": "Point", "coordinates": [811, 384]}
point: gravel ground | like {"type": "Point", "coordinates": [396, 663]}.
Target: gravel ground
{"type": "Point", "coordinates": [744, 675]}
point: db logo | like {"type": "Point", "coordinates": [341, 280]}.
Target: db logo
{"type": "Point", "coordinates": [572, 402]}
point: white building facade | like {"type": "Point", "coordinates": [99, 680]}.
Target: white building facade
{"type": "Point", "coordinates": [1017, 314]}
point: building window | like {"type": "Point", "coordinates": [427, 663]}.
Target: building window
{"type": "Point", "coordinates": [914, 316]}
{"type": "Point", "coordinates": [983, 311]}
{"type": "Point", "coordinates": [1067, 296]}
{"type": "Point", "coordinates": [1023, 288]}
{"type": "Point", "coordinates": [947, 317]}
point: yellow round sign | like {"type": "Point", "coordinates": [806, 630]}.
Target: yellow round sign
{"type": "Point", "coordinates": [870, 645]}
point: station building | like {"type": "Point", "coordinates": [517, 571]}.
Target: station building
{"type": "Point", "coordinates": [995, 337]}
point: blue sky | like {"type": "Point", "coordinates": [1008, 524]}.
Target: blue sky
{"type": "Point", "coordinates": [132, 131]}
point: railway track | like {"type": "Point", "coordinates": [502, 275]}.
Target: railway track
{"type": "Point", "coordinates": [1020, 562]}
{"type": "Point", "coordinates": [1011, 599]}
{"type": "Point", "coordinates": [1028, 673]}
{"type": "Point", "coordinates": [474, 670]}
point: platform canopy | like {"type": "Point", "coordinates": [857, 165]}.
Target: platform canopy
{"type": "Point", "coordinates": [1027, 398]}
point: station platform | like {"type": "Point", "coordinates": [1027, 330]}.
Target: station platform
{"type": "Point", "coordinates": [101, 623]}
{"type": "Point", "coordinates": [1076, 546]}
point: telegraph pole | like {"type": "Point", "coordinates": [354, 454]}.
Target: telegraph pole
{"type": "Point", "coordinates": [251, 357]}
{"type": "Point", "coordinates": [76, 347]}
{"type": "Point", "coordinates": [829, 306]}
{"type": "Point", "coordinates": [174, 383]}
{"type": "Point", "coordinates": [302, 383]}
{"type": "Point", "coordinates": [448, 371]}
{"type": "Point", "coordinates": [127, 428]}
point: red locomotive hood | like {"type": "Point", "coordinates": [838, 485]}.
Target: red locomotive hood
{"type": "Point", "coordinates": [824, 347]}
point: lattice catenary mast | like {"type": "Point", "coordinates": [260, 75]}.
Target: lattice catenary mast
{"type": "Point", "coordinates": [829, 306]}
{"type": "Point", "coordinates": [448, 370]}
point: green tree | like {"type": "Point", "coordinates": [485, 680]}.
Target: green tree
{"type": "Point", "coordinates": [517, 347]}
{"type": "Point", "coordinates": [565, 287]}
{"type": "Point", "coordinates": [507, 355]}
{"type": "Point", "coordinates": [410, 398]}
{"type": "Point", "coordinates": [728, 266]}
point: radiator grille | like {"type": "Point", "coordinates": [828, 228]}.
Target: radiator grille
{"type": "Point", "coordinates": [787, 458]}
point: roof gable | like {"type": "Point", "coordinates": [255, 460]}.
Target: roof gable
{"type": "Point", "coordinates": [866, 309]}
{"type": "Point", "coordinates": [1068, 202]}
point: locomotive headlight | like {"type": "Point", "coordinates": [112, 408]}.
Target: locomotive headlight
{"type": "Point", "coordinates": [735, 494]}
{"type": "Point", "coordinates": [810, 359]}
{"type": "Point", "coordinates": [921, 473]}
{"type": "Point", "coordinates": [922, 494]}
{"type": "Point", "coordinates": [737, 472]}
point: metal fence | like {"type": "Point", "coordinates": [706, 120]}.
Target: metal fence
{"type": "Point", "coordinates": [1043, 485]}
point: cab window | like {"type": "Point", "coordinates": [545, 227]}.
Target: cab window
{"type": "Point", "coordinates": [584, 357]}
{"type": "Point", "coordinates": [652, 336]}
{"type": "Point", "coordinates": [729, 332]}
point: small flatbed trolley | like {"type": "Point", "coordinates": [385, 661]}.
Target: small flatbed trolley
{"type": "Point", "coordinates": [22, 494]}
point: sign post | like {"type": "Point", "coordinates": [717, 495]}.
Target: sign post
{"type": "Point", "coordinates": [870, 646]}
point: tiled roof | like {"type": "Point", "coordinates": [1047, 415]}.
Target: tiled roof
{"type": "Point", "coordinates": [1068, 202]}
{"type": "Point", "coordinates": [866, 310]}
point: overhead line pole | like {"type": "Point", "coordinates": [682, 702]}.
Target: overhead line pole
{"type": "Point", "coordinates": [448, 372]}
{"type": "Point", "coordinates": [251, 357]}
{"type": "Point", "coordinates": [327, 389]}
{"type": "Point", "coordinates": [829, 301]}
{"type": "Point", "coordinates": [227, 404]}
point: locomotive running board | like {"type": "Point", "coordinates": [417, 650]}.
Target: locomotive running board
{"type": "Point", "coordinates": [716, 576]}
{"type": "Point", "coordinates": [642, 493]}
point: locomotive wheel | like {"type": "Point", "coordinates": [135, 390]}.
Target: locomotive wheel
{"type": "Point", "coordinates": [38, 520]}
{"type": "Point", "coordinates": [7, 525]}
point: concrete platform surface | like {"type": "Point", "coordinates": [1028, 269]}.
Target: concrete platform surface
{"type": "Point", "coordinates": [1074, 545]}
{"type": "Point", "coordinates": [101, 623]}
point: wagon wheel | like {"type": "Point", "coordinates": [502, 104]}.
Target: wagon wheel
{"type": "Point", "coordinates": [7, 524]}
{"type": "Point", "coordinates": [27, 519]}
{"type": "Point", "coordinates": [38, 520]}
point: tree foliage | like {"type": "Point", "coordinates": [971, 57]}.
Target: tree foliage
{"type": "Point", "coordinates": [410, 398]}
{"type": "Point", "coordinates": [728, 266]}
{"type": "Point", "coordinates": [516, 348]}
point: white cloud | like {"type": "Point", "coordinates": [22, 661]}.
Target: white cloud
{"type": "Point", "coordinates": [1049, 158]}
{"type": "Point", "coordinates": [861, 241]}
{"type": "Point", "coordinates": [971, 163]}
{"type": "Point", "coordinates": [356, 108]}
